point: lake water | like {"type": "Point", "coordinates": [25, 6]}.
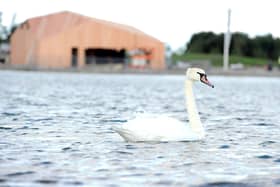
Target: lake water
{"type": "Point", "coordinates": [56, 130]}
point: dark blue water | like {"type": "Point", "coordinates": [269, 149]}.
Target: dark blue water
{"type": "Point", "coordinates": [56, 130]}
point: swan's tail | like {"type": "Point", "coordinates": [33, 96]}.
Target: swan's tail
{"type": "Point", "coordinates": [124, 133]}
{"type": "Point", "coordinates": [117, 129]}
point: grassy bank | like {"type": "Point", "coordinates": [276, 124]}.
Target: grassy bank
{"type": "Point", "coordinates": [217, 59]}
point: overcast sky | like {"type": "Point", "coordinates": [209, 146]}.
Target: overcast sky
{"type": "Point", "coordinates": [171, 21]}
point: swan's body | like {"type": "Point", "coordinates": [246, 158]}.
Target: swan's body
{"type": "Point", "coordinates": [159, 129]}
{"type": "Point", "coordinates": [164, 128]}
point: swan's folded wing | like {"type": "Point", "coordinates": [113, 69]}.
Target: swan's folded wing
{"type": "Point", "coordinates": [156, 129]}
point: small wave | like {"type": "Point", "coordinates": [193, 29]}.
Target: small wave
{"type": "Point", "coordinates": [277, 181]}
{"type": "Point", "coordinates": [160, 157]}
{"type": "Point", "coordinates": [76, 183]}
{"type": "Point", "coordinates": [225, 179]}
{"type": "Point", "coordinates": [102, 170]}
{"type": "Point", "coordinates": [158, 174]}
{"type": "Point", "coordinates": [2, 180]}
{"type": "Point", "coordinates": [39, 104]}
{"type": "Point", "coordinates": [124, 152]}
{"type": "Point", "coordinates": [225, 184]}
{"type": "Point", "coordinates": [118, 121]}
{"type": "Point", "coordinates": [114, 121]}
{"type": "Point", "coordinates": [77, 143]}
{"type": "Point", "coordinates": [165, 182]}
{"type": "Point", "coordinates": [26, 127]}
{"type": "Point", "coordinates": [224, 147]}
{"type": "Point", "coordinates": [134, 175]}
{"type": "Point", "coordinates": [264, 157]}
{"type": "Point", "coordinates": [242, 119]}
{"type": "Point", "coordinates": [131, 168]}
{"type": "Point", "coordinates": [42, 119]}
{"type": "Point", "coordinates": [5, 128]}
{"type": "Point", "coordinates": [20, 173]}
{"type": "Point", "coordinates": [130, 147]}
{"type": "Point", "coordinates": [22, 128]}
{"type": "Point", "coordinates": [46, 181]}
{"type": "Point", "coordinates": [45, 163]}
{"type": "Point", "coordinates": [10, 114]}
{"type": "Point", "coordinates": [100, 178]}
{"type": "Point", "coordinates": [265, 143]}
{"type": "Point", "coordinates": [187, 164]}
{"type": "Point", "coordinates": [277, 160]}
{"type": "Point", "coordinates": [66, 148]}
{"type": "Point", "coordinates": [264, 124]}
{"type": "Point", "coordinates": [178, 111]}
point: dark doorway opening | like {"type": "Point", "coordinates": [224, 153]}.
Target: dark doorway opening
{"type": "Point", "coordinates": [104, 56]}
{"type": "Point", "coordinates": [74, 60]}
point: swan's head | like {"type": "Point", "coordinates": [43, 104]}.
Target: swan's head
{"type": "Point", "coordinates": [197, 74]}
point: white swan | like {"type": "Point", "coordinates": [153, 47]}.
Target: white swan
{"type": "Point", "coordinates": [163, 128]}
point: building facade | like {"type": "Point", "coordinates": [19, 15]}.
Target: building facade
{"type": "Point", "coordinates": [67, 39]}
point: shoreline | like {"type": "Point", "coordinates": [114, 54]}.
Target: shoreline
{"type": "Point", "coordinates": [218, 71]}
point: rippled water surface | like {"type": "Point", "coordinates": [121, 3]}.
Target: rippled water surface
{"type": "Point", "coordinates": [56, 129]}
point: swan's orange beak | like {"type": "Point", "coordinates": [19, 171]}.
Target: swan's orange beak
{"type": "Point", "coordinates": [204, 79]}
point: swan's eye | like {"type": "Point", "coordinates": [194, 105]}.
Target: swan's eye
{"type": "Point", "coordinates": [201, 74]}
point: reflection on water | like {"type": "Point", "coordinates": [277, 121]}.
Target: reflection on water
{"type": "Point", "coordinates": [57, 129]}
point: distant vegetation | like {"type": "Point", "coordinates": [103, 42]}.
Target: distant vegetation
{"type": "Point", "coordinates": [249, 51]}
{"type": "Point", "coordinates": [6, 33]}
{"type": "Point", "coordinates": [217, 59]}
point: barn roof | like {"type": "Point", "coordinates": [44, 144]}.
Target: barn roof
{"type": "Point", "coordinates": [58, 22]}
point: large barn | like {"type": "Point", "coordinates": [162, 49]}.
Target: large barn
{"type": "Point", "coordinates": [67, 39]}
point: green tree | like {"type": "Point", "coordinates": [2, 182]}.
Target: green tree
{"type": "Point", "coordinates": [5, 34]}
{"type": "Point", "coordinates": [201, 42]}
{"type": "Point", "coordinates": [1, 28]}
{"type": "Point", "coordinates": [13, 29]}
{"type": "Point", "coordinates": [241, 45]}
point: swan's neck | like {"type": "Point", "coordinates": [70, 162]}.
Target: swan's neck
{"type": "Point", "coordinates": [194, 118]}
